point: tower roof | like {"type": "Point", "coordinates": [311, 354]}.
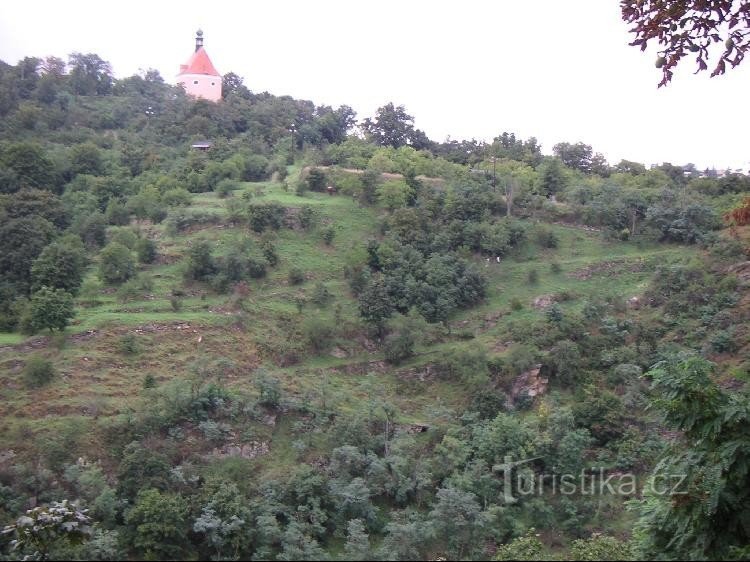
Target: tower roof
{"type": "Point", "coordinates": [199, 63]}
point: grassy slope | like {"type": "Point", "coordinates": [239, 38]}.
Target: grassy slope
{"type": "Point", "coordinates": [97, 380]}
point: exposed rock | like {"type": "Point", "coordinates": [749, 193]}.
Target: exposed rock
{"type": "Point", "coordinates": [250, 450]}
{"type": "Point", "coordinates": [742, 271]}
{"type": "Point", "coordinates": [338, 353]}
{"type": "Point", "coordinates": [543, 301]}
{"type": "Point", "coordinates": [7, 455]}
{"type": "Point", "coordinates": [529, 383]}
{"type": "Point", "coordinates": [426, 373]}
{"type": "Point", "coordinates": [634, 302]}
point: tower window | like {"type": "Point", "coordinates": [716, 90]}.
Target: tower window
{"type": "Point", "coordinates": [195, 81]}
{"type": "Point", "coordinates": [213, 83]}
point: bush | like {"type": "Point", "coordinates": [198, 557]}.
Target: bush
{"type": "Point", "coordinates": [117, 213]}
{"type": "Point", "coordinates": [533, 277]}
{"type": "Point", "coordinates": [399, 346]}
{"type": "Point", "coordinates": [307, 216]}
{"type": "Point", "coordinates": [329, 233]}
{"type": "Point", "coordinates": [723, 341]}
{"type": "Point", "coordinates": [318, 333]}
{"type": "Point", "coordinates": [555, 267]}
{"type": "Point", "coordinates": [516, 304]}
{"type": "Point", "coordinates": [116, 264]}
{"type": "Point", "coordinates": [226, 187]}
{"type": "Point", "coordinates": [38, 371]}
{"type": "Point", "coordinates": [547, 239]}
{"type": "Point", "coordinates": [175, 302]}
{"type": "Point", "coordinates": [48, 309]}
{"type": "Point", "coordinates": [123, 235]}
{"type": "Point", "coordinates": [256, 168]}
{"type": "Point", "coordinates": [265, 215]}
{"type": "Point", "coordinates": [177, 197]}
{"type": "Point", "coordinates": [149, 381]}
{"type": "Point", "coordinates": [200, 262]}
{"type": "Point", "coordinates": [321, 295]}
{"type": "Point", "coordinates": [296, 276]}
{"type": "Point", "coordinates": [145, 249]}
{"type": "Point", "coordinates": [128, 345]}
{"type": "Point", "coordinates": [135, 288]}
{"type": "Point", "coordinates": [316, 180]}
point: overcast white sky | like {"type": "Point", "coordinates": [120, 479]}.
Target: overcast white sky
{"type": "Point", "coordinates": [557, 70]}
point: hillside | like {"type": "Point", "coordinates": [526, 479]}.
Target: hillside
{"type": "Point", "coordinates": [216, 357]}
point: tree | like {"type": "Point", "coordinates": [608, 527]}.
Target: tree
{"type": "Point", "coordinates": [21, 242]}
{"type": "Point", "coordinates": [375, 305]}
{"type": "Point", "coordinates": [357, 545]}
{"type": "Point", "coordinates": [224, 519]}
{"type": "Point", "coordinates": [527, 547]}
{"type": "Point", "coordinates": [552, 177]}
{"type": "Point", "coordinates": [158, 525]}
{"type": "Point", "coordinates": [458, 519]}
{"type": "Point", "coordinates": [697, 501]}
{"type": "Point", "coordinates": [691, 27]}
{"type": "Point", "coordinates": [231, 84]}
{"type": "Point", "coordinates": [116, 263]}
{"type": "Point", "coordinates": [145, 249]}
{"type": "Point", "coordinates": [90, 75]}
{"type": "Point", "coordinates": [393, 127]}
{"type": "Point", "coordinates": [60, 265]}
{"type": "Point", "coordinates": [85, 158]}
{"type": "Point", "coordinates": [141, 468]}
{"type": "Point", "coordinates": [600, 547]}
{"type": "Point", "coordinates": [49, 309]}
{"type": "Point", "coordinates": [30, 164]}
{"type": "Point", "coordinates": [44, 527]}
{"type": "Point", "coordinates": [577, 156]}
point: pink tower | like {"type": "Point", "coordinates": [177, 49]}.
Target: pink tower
{"type": "Point", "coordinates": [199, 77]}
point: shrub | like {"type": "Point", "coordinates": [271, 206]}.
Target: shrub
{"type": "Point", "coordinates": [226, 187]}
{"type": "Point", "coordinates": [265, 215]}
{"type": "Point", "coordinates": [145, 249]}
{"type": "Point", "coordinates": [533, 277]}
{"type": "Point", "coordinates": [128, 345]}
{"type": "Point", "coordinates": [296, 276]}
{"type": "Point", "coordinates": [329, 233]}
{"type": "Point", "coordinates": [256, 168]}
{"type": "Point", "coordinates": [123, 235]}
{"type": "Point", "coordinates": [321, 295]}
{"type": "Point", "coordinates": [48, 309]}
{"type": "Point", "coordinates": [135, 288]}
{"type": "Point", "coordinates": [318, 333]}
{"type": "Point", "coordinates": [555, 267]}
{"type": "Point", "coordinates": [175, 302]}
{"type": "Point", "coordinates": [117, 213]}
{"type": "Point", "coordinates": [307, 216]}
{"type": "Point", "coordinates": [516, 304]}
{"type": "Point", "coordinates": [149, 381]}
{"type": "Point", "coordinates": [316, 180]}
{"type": "Point", "coordinates": [177, 197]}
{"type": "Point", "coordinates": [399, 346]}
{"type": "Point", "coordinates": [547, 239]}
{"type": "Point", "coordinates": [200, 262]}
{"type": "Point", "coordinates": [38, 371]}
{"type": "Point", "coordinates": [116, 264]}
{"type": "Point", "coordinates": [723, 341]}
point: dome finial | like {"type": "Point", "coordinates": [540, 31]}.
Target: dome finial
{"type": "Point", "coordinates": [198, 39]}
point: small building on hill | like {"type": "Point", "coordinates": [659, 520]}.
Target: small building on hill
{"type": "Point", "coordinates": [198, 76]}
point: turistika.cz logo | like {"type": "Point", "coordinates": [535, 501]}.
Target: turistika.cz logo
{"type": "Point", "coordinates": [520, 480]}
